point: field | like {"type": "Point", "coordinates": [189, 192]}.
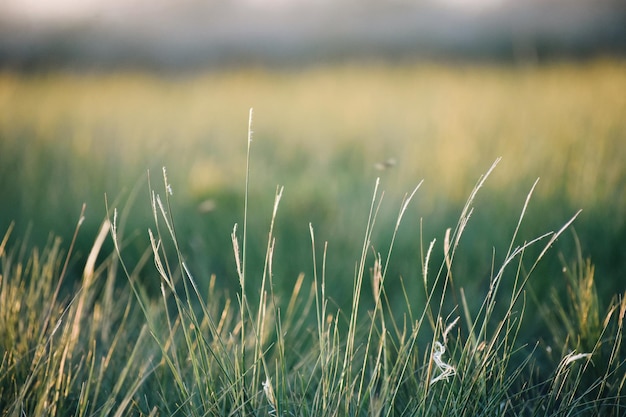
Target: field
{"type": "Point", "coordinates": [344, 310]}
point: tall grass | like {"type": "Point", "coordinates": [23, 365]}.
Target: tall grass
{"type": "Point", "coordinates": [381, 312]}
{"type": "Point", "coordinates": [67, 351]}
{"type": "Point", "coordinates": [68, 138]}
{"type": "Point", "coordinates": [95, 348]}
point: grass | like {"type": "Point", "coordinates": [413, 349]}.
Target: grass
{"type": "Point", "coordinates": [430, 302]}
{"type": "Point", "coordinates": [100, 350]}
{"type": "Point", "coordinates": [68, 136]}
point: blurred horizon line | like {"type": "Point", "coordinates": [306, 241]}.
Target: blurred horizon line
{"type": "Point", "coordinates": [209, 35]}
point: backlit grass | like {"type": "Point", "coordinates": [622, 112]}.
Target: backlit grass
{"type": "Point", "coordinates": [94, 349]}
{"type": "Point", "coordinates": [73, 137]}
{"type": "Point", "coordinates": [343, 310]}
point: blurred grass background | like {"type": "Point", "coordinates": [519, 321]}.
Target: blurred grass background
{"type": "Point", "coordinates": [68, 138]}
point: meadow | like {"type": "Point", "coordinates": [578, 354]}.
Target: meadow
{"type": "Point", "coordinates": [320, 301]}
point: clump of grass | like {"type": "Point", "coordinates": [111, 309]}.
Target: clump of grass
{"type": "Point", "coordinates": [67, 353]}
{"type": "Point", "coordinates": [590, 373]}
{"type": "Point", "coordinates": [244, 358]}
{"type": "Point", "coordinates": [98, 350]}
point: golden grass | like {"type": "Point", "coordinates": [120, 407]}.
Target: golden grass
{"type": "Point", "coordinates": [557, 121]}
{"type": "Point", "coordinates": [68, 138]}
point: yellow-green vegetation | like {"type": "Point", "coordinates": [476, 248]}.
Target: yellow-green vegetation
{"type": "Point", "coordinates": [556, 121]}
{"type": "Point", "coordinates": [68, 138]}
{"type": "Point", "coordinates": [101, 349]}
{"type": "Point", "coordinates": [354, 327]}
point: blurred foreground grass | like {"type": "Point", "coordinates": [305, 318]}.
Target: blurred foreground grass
{"type": "Point", "coordinates": [70, 138]}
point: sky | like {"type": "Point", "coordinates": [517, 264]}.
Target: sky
{"type": "Point", "coordinates": [60, 10]}
{"type": "Point", "coordinates": [171, 32]}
